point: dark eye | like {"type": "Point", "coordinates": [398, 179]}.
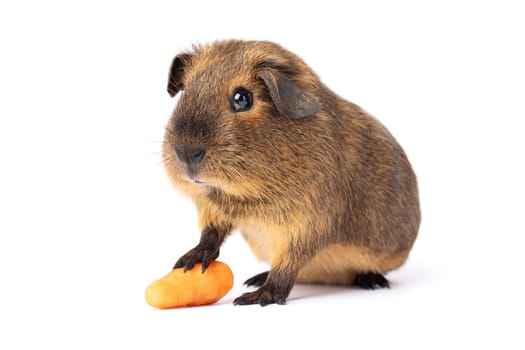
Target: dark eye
{"type": "Point", "coordinates": [241, 100]}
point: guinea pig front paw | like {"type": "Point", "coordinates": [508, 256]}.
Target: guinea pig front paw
{"type": "Point", "coordinates": [197, 255]}
{"type": "Point", "coordinates": [262, 296]}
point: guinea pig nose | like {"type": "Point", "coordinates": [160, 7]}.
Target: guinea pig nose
{"type": "Point", "coordinates": [189, 154]}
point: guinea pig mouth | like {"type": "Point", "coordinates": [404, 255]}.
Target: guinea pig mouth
{"type": "Point", "coordinates": [192, 175]}
{"type": "Point", "coordinates": [193, 178]}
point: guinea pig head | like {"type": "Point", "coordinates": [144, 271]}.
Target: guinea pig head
{"type": "Point", "coordinates": [242, 114]}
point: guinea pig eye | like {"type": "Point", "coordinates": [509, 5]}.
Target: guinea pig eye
{"type": "Point", "coordinates": [241, 100]}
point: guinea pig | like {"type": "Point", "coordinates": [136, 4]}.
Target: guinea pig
{"type": "Point", "coordinates": [318, 188]}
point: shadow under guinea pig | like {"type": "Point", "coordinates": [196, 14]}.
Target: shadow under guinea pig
{"type": "Point", "coordinates": [301, 291]}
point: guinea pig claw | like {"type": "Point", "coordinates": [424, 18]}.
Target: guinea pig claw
{"type": "Point", "coordinates": [187, 261]}
{"type": "Point", "coordinates": [207, 257]}
{"type": "Point", "coordinates": [205, 263]}
{"type": "Point", "coordinates": [257, 280]}
{"type": "Point", "coordinates": [178, 264]}
{"type": "Point", "coordinates": [189, 265]}
{"type": "Point", "coordinates": [197, 255]}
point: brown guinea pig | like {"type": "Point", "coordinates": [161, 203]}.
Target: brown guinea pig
{"type": "Point", "coordinates": [319, 189]}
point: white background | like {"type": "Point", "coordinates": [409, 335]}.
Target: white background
{"type": "Point", "coordinates": [88, 218]}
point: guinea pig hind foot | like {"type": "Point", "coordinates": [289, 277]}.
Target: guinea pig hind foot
{"type": "Point", "coordinates": [371, 280]}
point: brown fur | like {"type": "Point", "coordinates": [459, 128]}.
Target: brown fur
{"type": "Point", "coordinates": [320, 189]}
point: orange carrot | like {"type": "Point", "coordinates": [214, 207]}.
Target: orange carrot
{"type": "Point", "coordinates": [191, 288]}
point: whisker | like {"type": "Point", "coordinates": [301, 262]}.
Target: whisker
{"type": "Point", "coordinates": [153, 153]}
{"type": "Point", "coordinates": [156, 141]}
{"type": "Point", "coordinates": [167, 161]}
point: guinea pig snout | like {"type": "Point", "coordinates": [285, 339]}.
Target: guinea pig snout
{"type": "Point", "coordinates": [190, 154]}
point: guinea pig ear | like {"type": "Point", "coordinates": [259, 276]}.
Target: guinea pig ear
{"type": "Point", "coordinates": [288, 98]}
{"type": "Point", "coordinates": [178, 65]}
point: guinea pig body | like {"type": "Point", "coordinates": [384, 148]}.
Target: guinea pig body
{"type": "Point", "coordinates": [317, 187]}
